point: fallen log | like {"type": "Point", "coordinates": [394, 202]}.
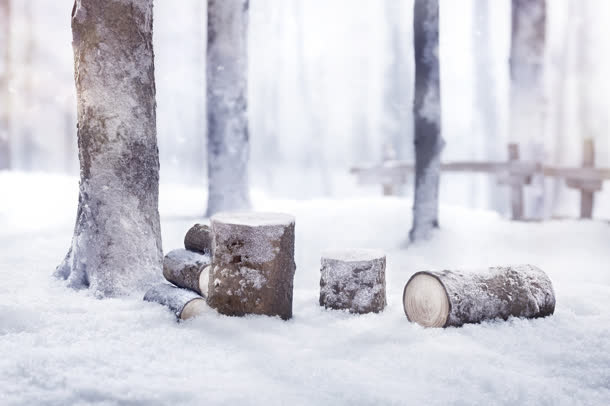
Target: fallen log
{"type": "Point", "coordinates": [199, 239]}
{"type": "Point", "coordinates": [453, 298]}
{"type": "Point", "coordinates": [187, 269]}
{"type": "Point", "coordinates": [253, 266]}
{"type": "Point", "coordinates": [182, 302]}
{"type": "Point", "coordinates": [353, 280]}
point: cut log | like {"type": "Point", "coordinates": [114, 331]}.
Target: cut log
{"type": "Point", "coordinates": [453, 298]}
{"type": "Point", "coordinates": [187, 269]}
{"type": "Point", "coordinates": [199, 239]}
{"type": "Point", "coordinates": [183, 302]}
{"type": "Point", "coordinates": [353, 280]}
{"type": "Point", "coordinates": [253, 266]}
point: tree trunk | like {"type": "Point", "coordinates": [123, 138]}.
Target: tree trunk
{"type": "Point", "coordinates": [453, 298]}
{"type": "Point", "coordinates": [252, 264]}
{"type": "Point", "coordinates": [184, 303]}
{"type": "Point", "coordinates": [188, 270]}
{"type": "Point", "coordinates": [227, 105]}
{"type": "Point", "coordinates": [5, 103]}
{"type": "Point", "coordinates": [116, 247]}
{"type": "Point", "coordinates": [527, 100]}
{"type": "Point", "coordinates": [427, 117]}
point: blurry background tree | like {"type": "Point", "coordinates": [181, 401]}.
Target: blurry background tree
{"type": "Point", "coordinates": [5, 102]}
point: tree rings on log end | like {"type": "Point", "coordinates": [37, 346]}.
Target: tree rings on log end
{"type": "Point", "coordinates": [425, 301]}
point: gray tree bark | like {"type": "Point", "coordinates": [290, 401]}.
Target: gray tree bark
{"type": "Point", "coordinates": [199, 239]}
{"type": "Point", "coordinates": [184, 303]}
{"type": "Point", "coordinates": [116, 248]}
{"type": "Point", "coordinates": [188, 270]}
{"type": "Point", "coordinates": [427, 116]}
{"type": "Point", "coordinates": [5, 102]}
{"type": "Point", "coordinates": [453, 298]}
{"type": "Point", "coordinates": [227, 105]}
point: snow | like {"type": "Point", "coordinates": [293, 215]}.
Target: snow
{"type": "Point", "coordinates": [254, 219]}
{"type": "Point", "coordinates": [60, 346]}
{"type": "Point", "coordinates": [353, 254]}
{"type": "Point", "coordinates": [186, 257]}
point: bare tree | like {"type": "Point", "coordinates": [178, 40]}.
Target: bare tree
{"type": "Point", "coordinates": [427, 116]}
{"type": "Point", "coordinates": [227, 105]}
{"type": "Point", "coordinates": [116, 248]}
{"type": "Point", "coordinates": [5, 45]}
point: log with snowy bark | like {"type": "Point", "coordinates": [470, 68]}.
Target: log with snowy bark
{"type": "Point", "coordinates": [454, 298]}
{"type": "Point", "coordinates": [187, 269]}
{"type": "Point", "coordinates": [183, 302]}
{"type": "Point", "coordinates": [353, 280]}
{"type": "Point", "coordinates": [199, 239]}
{"type": "Point", "coordinates": [253, 264]}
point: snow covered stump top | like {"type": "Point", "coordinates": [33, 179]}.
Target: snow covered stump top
{"type": "Point", "coordinates": [454, 298]}
{"type": "Point", "coordinates": [253, 264]}
{"type": "Point", "coordinates": [353, 279]}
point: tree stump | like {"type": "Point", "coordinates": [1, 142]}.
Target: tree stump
{"type": "Point", "coordinates": [453, 298]}
{"type": "Point", "coordinates": [183, 302]}
{"type": "Point", "coordinates": [253, 266]}
{"type": "Point", "coordinates": [188, 270]}
{"type": "Point", "coordinates": [199, 239]}
{"type": "Point", "coordinates": [353, 280]}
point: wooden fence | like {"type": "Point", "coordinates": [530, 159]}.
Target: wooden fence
{"type": "Point", "coordinates": [515, 173]}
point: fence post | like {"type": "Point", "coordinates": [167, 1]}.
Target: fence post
{"type": "Point", "coordinates": [516, 185]}
{"type": "Point", "coordinates": [587, 195]}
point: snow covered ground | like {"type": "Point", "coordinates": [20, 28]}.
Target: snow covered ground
{"type": "Point", "coordinates": [59, 346]}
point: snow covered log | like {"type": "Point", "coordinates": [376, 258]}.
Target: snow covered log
{"type": "Point", "coordinates": [253, 264]}
{"type": "Point", "coordinates": [187, 269]}
{"type": "Point", "coordinates": [453, 298]}
{"type": "Point", "coordinates": [199, 239]}
{"type": "Point", "coordinates": [183, 302]}
{"type": "Point", "coordinates": [353, 280]}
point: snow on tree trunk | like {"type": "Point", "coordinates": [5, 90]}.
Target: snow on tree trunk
{"type": "Point", "coordinates": [453, 298]}
{"type": "Point", "coordinates": [427, 117]}
{"type": "Point", "coordinates": [527, 95]}
{"type": "Point", "coordinates": [188, 270]}
{"type": "Point", "coordinates": [116, 248]}
{"type": "Point", "coordinates": [353, 280]}
{"type": "Point", "coordinates": [184, 303]}
{"type": "Point", "coordinates": [199, 239]}
{"type": "Point", "coordinates": [252, 264]}
{"type": "Point", "coordinates": [5, 43]}
{"type": "Point", "coordinates": [227, 105]}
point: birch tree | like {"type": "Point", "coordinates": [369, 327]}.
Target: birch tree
{"type": "Point", "coordinates": [5, 43]}
{"type": "Point", "coordinates": [427, 117]}
{"type": "Point", "coordinates": [116, 248]}
{"type": "Point", "coordinates": [227, 105]}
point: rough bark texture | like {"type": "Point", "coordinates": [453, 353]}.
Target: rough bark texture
{"type": "Point", "coordinates": [5, 42]}
{"type": "Point", "coordinates": [497, 293]}
{"type": "Point", "coordinates": [252, 264]}
{"type": "Point", "coordinates": [182, 302]}
{"type": "Point", "coordinates": [427, 117]}
{"type": "Point", "coordinates": [187, 269]}
{"type": "Point", "coordinates": [116, 247]}
{"type": "Point", "coordinates": [353, 280]}
{"type": "Point", "coordinates": [228, 145]}
{"type": "Point", "coordinates": [199, 239]}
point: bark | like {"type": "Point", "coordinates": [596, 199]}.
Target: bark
{"type": "Point", "coordinates": [116, 248]}
{"type": "Point", "coordinates": [454, 298]}
{"type": "Point", "coordinates": [252, 264]}
{"type": "Point", "coordinates": [5, 102]}
{"type": "Point", "coordinates": [427, 118]}
{"type": "Point", "coordinates": [228, 139]}
{"type": "Point", "coordinates": [184, 303]}
{"type": "Point", "coordinates": [353, 280]}
{"type": "Point", "coordinates": [199, 239]}
{"type": "Point", "coordinates": [188, 270]}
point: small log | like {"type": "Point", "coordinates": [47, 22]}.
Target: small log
{"type": "Point", "coordinates": [188, 270]}
{"type": "Point", "coordinates": [353, 280]}
{"type": "Point", "coordinates": [199, 239]}
{"type": "Point", "coordinates": [253, 266]}
{"type": "Point", "coordinates": [453, 298]}
{"type": "Point", "coordinates": [183, 302]}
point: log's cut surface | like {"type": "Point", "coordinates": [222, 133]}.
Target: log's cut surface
{"type": "Point", "coordinates": [354, 280]}
{"type": "Point", "coordinates": [253, 266]}
{"type": "Point", "coordinates": [454, 298]}
{"type": "Point", "coordinates": [187, 269]}
{"type": "Point", "coordinates": [184, 303]}
{"type": "Point", "coordinates": [199, 239]}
